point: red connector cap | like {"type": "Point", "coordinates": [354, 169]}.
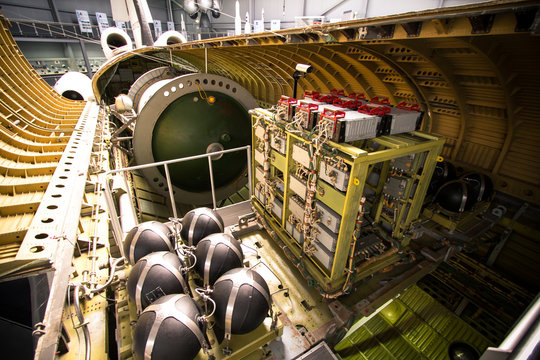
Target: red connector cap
{"type": "Point", "coordinates": [382, 101]}
{"type": "Point", "coordinates": [312, 94]}
{"type": "Point", "coordinates": [333, 114]}
{"type": "Point", "coordinates": [287, 100]}
{"type": "Point", "coordinates": [374, 110]}
{"type": "Point", "coordinates": [308, 106]}
{"type": "Point", "coordinates": [359, 96]}
{"type": "Point", "coordinates": [327, 98]}
{"type": "Point", "coordinates": [405, 106]}
{"type": "Point", "coordinates": [337, 92]}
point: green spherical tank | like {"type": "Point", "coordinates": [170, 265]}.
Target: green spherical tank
{"type": "Point", "coordinates": [189, 125]}
{"type": "Point", "coordinates": [191, 115]}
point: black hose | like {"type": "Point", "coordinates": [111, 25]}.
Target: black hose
{"type": "Point", "coordinates": [82, 324]}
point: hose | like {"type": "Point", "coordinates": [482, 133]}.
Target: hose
{"type": "Point", "coordinates": [114, 264]}
{"type": "Point", "coordinates": [82, 324]}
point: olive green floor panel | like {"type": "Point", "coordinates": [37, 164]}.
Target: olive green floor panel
{"type": "Point", "coordinates": [413, 326]}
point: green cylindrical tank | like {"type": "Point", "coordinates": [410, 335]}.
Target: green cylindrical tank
{"type": "Point", "coordinates": [190, 115]}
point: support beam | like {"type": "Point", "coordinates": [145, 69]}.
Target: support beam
{"type": "Point", "coordinates": [60, 238]}
{"type": "Point", "coordinates": [85, 57]}
{"type": "Point", "coordinates": [169, 10]}
{"type": "Point", "coordinates": [54, 11]}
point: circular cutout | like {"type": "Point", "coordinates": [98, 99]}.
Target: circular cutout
{"type": "Point", "coordinates": [166, 93]}
{"type": "Point", "coordinates": [41, 236]}
{"type": "Point", "coordinates": [205, 81]}
{"type": "Point", "coordinates": [63, 177]}
{"type": "Point", "coordinates": [36, 249]}
{"type": "Point", "coordinates": [52, 207]}
{"type": "Point", "coordinates": [180, 86]}
{"type": "Point", "coordinates": [213, 82]}
{"type": "Point", "coordinates": [220, 83]}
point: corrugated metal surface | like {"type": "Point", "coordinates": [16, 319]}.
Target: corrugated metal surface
{"type": "Point", "coordinates": [35, 126]}
{"type": "Point", "coordinates": [413, 326]}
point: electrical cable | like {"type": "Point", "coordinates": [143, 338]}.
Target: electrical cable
{"type": "Point", "coordinates": [268, 267]}
{"type": "Point", "coordinates": [82, 323]}
{"type": "Point", "coordinates": [73, 324]}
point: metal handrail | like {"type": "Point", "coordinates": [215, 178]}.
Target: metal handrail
{"type": "Point", "coordinates": [113, 214]}
{"type": "Point", "coordinates": [60, 28]}
{"type": "Point", "coordinates": [41, 28]}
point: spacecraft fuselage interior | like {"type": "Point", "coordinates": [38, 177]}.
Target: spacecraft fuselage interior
{"type": "Point", "coordinates": [354, 190]}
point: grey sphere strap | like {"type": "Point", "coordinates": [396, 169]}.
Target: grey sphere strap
{"type": "Point", "coordinates": [173, 312]}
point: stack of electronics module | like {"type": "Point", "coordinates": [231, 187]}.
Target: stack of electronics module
{"type": "Point", "coordinates": [340, 180]}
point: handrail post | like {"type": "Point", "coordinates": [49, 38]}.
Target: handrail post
{"type": "Point", "coordinates": [169, 187]}
{"type": "Point", "coordinates": [248, 149]}
{"type": "Point", "coordinates": [117, 229]}
{"type": "Point", "coordinates": [212, 181]}
{"type": "Point", "coordinates": [113, 215]}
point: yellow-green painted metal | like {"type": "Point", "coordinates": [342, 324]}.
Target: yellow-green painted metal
{"type": "Point", "coordinates": [425, 147]}
{"type": "Point", "coordinates": [476, 86]}
{"type": "Point", "coordinates": [413, 326]}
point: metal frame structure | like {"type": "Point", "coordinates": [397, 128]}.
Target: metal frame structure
{"type": "Point", "coordinates": [114, 218]}
{"type": "Point", "coordinates": [431, 58]}
{"type": "Point", "coordinates": [346, 204]}
{"type": "Point", "coordinates": [53, 233]}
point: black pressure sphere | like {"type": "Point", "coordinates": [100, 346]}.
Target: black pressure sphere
{"type": "Point", "coordinates": [444, 172]}
{"type": "Point", "coordinates": [456, 196]}
{"type": "Point", "coordinates": [199, 223]}
{"type": "Point", "coordinates": [169, 329]}
{"type": "Point", "coordinates": [154, 276]}
{"type": "Point", "coordinates": [216, 254]}
{"type": "Point", "coordinates": [248, 294]}
{"type": "Point", "coordinates": [481, 185]}
{"type": "Point", "coordinates": [147, 238]}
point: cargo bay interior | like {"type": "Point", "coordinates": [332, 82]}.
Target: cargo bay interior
{"type": "Point", "coordinates": [269, 180]}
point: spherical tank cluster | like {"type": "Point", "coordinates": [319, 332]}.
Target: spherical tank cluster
{"type": "Point", "coordinates": [176, 269]}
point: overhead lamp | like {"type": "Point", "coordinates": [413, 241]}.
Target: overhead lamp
{"type": "Point", "coordinates": [300, 71]}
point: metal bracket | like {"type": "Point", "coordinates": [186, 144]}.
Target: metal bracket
{"type": "Point", "coordinates": [481, 24]}
{"type": "Point", "coordinates": [412, 28]}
